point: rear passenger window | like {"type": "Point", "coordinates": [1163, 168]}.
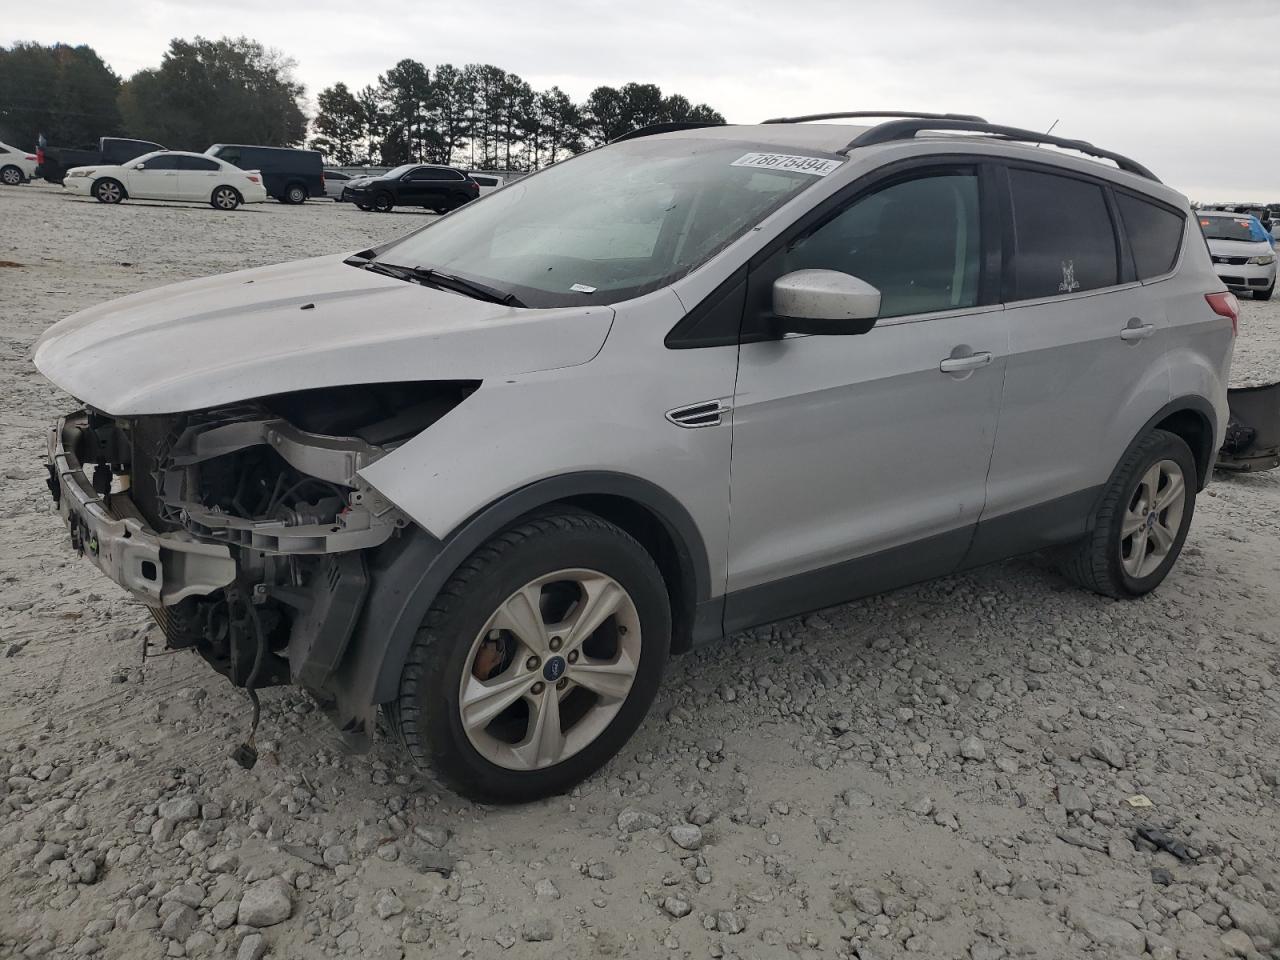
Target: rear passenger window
{"type": "Point", "coordinates": [1155, 235]}
{"type": "Point", "coordinates": [1063, 238]}
{"type": "Point", "coordinates": [918, 242]}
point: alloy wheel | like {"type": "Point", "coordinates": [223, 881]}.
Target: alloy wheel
{"type": "Point", "coordinates": [550, 669]}
{"type": "Point", "coordinates": [109, 192]}
{"type": "Point", "coordinates": [225, 198]}
{"type": "Point", "coordinates": [1152, 520]}
{"type": "Point", "coordinates": [12, 176]}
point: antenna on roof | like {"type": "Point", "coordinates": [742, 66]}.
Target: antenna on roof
{"type": "Point", "coordinates": [1049, 131]}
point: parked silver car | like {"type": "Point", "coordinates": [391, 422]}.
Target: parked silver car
{"type": "Point", "coordinates": [490, 475]}
{"type": "Point", "coordinates": [335, 181]}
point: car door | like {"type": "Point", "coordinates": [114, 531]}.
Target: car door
{"type": "Point", "coordinates": [859, 462]}
{"type": "Point", "coordinates": [154, 179]}
{"type": "Point", "coordinates": [415, 187]}
{"type": "Point", "coordinates": [1087, 365]}
{"type": "Point", "coordinates": [197, 176]}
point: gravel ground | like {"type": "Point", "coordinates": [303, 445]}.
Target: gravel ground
{"type": "Point", "coordinates": [954, 770]}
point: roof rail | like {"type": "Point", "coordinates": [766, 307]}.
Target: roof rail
{"type": "Point", "coordinates": [808, 118]}
{"type": "Point", "coordinates": [670, 127]}
{"type": "Point", "coordinates": [906, 129]}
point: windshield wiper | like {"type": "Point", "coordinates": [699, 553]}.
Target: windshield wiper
{"type": "Point", "coordinates": [446, 281]}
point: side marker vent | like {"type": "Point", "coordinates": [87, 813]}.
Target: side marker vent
{"type": "Point", "coordinates": [709, 413]}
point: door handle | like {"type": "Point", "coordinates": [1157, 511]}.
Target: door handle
{"type": "Point", "coordinates": [960, 364]}
{"type": "Point", "coordinates": [1139, 332]}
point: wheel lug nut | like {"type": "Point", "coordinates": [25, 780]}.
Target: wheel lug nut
{"type": "Point", "coordinates": [533, 663]}
{"type": "Point", "coordinates": [562, 683]}
{"type": "Point", "coordinates": [539, 687]}
{"type": "Point", "coordinates": [556, 643]}
{"type": "Point", "coordinates": [573, 656]}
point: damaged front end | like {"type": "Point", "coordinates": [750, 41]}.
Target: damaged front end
{"type": "Point", "coordinates": [246, 529]}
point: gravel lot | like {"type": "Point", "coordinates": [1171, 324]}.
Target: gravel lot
{"type": "Point", "coordinates": [944, 771]}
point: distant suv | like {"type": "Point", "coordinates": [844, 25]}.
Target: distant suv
{"type": "Point", "coordinates": [1242, 251]}
{"type": "Point", "coordinates": [290, 176]}
{"type": "Point", "coordinates": [489, 475]}
{"type": "Point", "coordinates": [413, 185]}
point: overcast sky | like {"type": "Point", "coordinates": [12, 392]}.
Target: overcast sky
{"type": "Point", "coordinates": [1190, 88]}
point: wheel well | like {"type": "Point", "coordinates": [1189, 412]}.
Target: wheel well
{"type": "Point", "coordinates": [124, 191]}
{"type": "Point", "coordinates": [661, 543]}
{"type": "Point", "coordinates": [1194, 428]}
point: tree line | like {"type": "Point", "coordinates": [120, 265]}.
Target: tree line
{"type": "Point", "coordinates": [235, 90]}
{"type": "Point", "coordinates": [481, 116]}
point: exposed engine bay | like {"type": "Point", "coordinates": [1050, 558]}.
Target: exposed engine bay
{"type": "Point", "coordinates": [260, 520]}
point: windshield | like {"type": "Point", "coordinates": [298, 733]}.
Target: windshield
{"type": "Point", "coordinates": [1230, 228]}
{"type": "Point", "coordinates": [399, 171]}
{"type": "Point", "coordinates": [613, 223]}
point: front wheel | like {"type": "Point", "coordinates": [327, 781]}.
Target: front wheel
{"type": "Point", "coordinates": [1142, 521]}
{"type": "Point", "coordinates": [1264, 294]}
{"type": "Point", "coordinates": [537, 661]}
{"type": "Point", "coordinates": [225, 198]}
{"type": "Point", "coordinates": [108, 191]}
{"type": "Point", "coordinates": [11, 176]}
{"type": "Point", "coordinates": [383, 203]}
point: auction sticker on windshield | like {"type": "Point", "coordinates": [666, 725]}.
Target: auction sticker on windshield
{"type": "Point", "coordinates": [817, 166]}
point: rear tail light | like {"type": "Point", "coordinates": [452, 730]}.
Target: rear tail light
{"type": "Point", "coordinates": [40, 155]}
{"type": "Point", "coordinates": [253, 179]}
{"type": "Point", "coordinates": [35, 158]}
{"type": "Point", "coordinates": [1225, 304]}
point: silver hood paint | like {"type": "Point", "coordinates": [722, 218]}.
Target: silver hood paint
{"type": "Point", "coordinates": [298, 326]}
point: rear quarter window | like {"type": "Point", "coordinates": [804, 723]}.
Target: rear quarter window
{"type": "Point", "coordinates": [1155, 234]}
{"type": "Point", "coordinates": [1064, 241]}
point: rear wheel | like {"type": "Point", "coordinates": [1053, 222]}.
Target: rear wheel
{"type": "Point", "coordinates": [537, 661]}
{"type": "Point", "coordinates": [295, 193]}
{"type": "Point", "coordinates": [1143, 520]}
{"type": "Point", "coordinates": [225, 198]}
{"type": "Point", "coordinates": [383, 203]}
{"type": "Point", "coordinates": [11, 176]}
{"type": "Point", "coordinates": [108, 191]}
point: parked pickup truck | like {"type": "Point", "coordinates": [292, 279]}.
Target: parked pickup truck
{"type": "Point", "coordinates": [54, 162]}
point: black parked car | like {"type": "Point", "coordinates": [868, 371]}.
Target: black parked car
{"type": "Point", "coordinates": [54, 162]}
{"type": "Point", "coordinates": [291, 176]}
{"type": "Point", "coordinates": [413, 185]}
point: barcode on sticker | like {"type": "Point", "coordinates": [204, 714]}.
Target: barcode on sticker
{"type": "Point", "coordinates": [817, 166]}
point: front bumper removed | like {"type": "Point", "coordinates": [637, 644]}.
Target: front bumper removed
{"type": "Point", "coordinates": [160, 569]}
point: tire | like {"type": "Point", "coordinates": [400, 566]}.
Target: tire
{"type": "Point", "coordinates": [383, 203]}
{"type": "Point", "coordinates": [1122, 566]}
{"type": "Point", "coordinates": [555, 557]}
{"type": "Point", "coordinates": [108, 191]}
{"type": "Point", "coordinates": [225, 198]}
{"type": "Point", "coordinates": [1264, 294]}
{"type": "Point", "coordinates": [11, 176]}
{"type": "Point", "coordinates": [295, 193]}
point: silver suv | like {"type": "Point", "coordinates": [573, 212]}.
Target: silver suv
{"type": "Point", "coordinates": [489, 476]}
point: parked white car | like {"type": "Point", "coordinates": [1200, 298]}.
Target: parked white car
{"type": "Point", "coordinates": [16, 166]}
{"type": "Point", "coordinates": [169, 175]}
{"type": "Point", "coordinates": [488, 182]}
{"type": "Point", "coordinates": [1243, 257]}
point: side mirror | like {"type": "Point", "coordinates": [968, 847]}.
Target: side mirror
{"type": "Point", "coordinates": [139, 166]}
{"type": "Point", "coordinates": [824, 302]}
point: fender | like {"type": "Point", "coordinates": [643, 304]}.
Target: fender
{"type": "Point", "coordinates": [408, 572]}
{"type": "Point", "coordinates": [1208, 417]}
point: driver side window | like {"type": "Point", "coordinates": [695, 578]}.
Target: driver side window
{"type": "Point", "coordinates": [917, 241]}
{"type": "Point", "coordinates": [161, 163]}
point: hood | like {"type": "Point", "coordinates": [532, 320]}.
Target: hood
{"type": "Point", "coordinates": [1239, 248]}
{"type": "Point", "coordinates": [297, 326]}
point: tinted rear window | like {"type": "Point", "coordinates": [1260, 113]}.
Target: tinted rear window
{"type": "Point", "coordinates": [1155, 235]}
{"type": "Point", "coordinates": [1064, 241]}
